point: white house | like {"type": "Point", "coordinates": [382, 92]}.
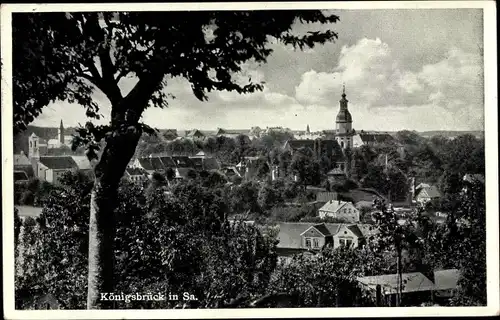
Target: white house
{"type": "Point", "coordinates": [427, 194]}
{"type": "Point", "coordinates": [340, 210]}
{"type": "Point", "coordinates": [52, 168]}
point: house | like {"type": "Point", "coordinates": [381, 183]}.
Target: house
{"type": "Point", "coordinates": [337, 175]}
{"type": "Point", "coordinates": [427, 194]}
{"type": "Point", "coordinates": [231, 133]}
{"type": "Point", "coordinates": [348, 235]}
{"type": "Point", "coordinates": [299, 237]}
{"type": "Point", "coordinates": [417, 288]}
{"type": "Point", "coordinates": [135, 174]}
{"type": "Point", "coordinates": [195, 134]}
{"type": "Point", "coordinates": [149, 164]}
{"type": "Point", "coordinates": [420, 186]}
{"type": "Point", "coordinates": [170, 134]}
{"type": "Point", "coordinates": [51, 168]}
{"type": "Point", "coordinates": [341, 210]}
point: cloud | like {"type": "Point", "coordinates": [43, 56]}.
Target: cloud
{"type": "Point", "coordinates": [375, 80]}
{"type": "Point", "coordinates": [384, 95]}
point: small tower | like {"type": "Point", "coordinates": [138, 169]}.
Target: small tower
{"type": "Point", "coordinates": [307, 130]}
{"type": "Point", "coordinates": [344, 132]}
{"type": "Point", "coordinates": [60, 133]}
{"type": "Point", "coordinates": [34, 146]}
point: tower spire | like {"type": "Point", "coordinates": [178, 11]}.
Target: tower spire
{"type": "Point", "coordinates": [61, 132]}
{"type": "Point", "coordinates": [343, 90]}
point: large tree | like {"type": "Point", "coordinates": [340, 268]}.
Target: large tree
{"type": "Point", "coordinates": [68, 56]}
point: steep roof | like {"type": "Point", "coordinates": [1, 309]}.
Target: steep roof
{"type": "Point", "coordinates": [335, 172]}
{"type": "Point", "coordinates": [195, 133]}
{"type": "Point", "coordinates": [82, 162]}
{"type": "Point", "coordinates": [135, 171]}
{"type": "Point", "coordinates": [333, 205]}
{"type": "Point", "coordinates": [412, 282]}
{"type": "Point", "coordinates": [59, 162]}
{"type": "Point", "coordinates": [182, 162]}
{"type": "Point", "coordinates": [210, 164]}
{"type": "Point", "coordinates": [182, 172]}
{"type": "Point", "coordinates": [21, 159]}
{"type": "Point", "coordinates": [326, 196]}
{"type": "Point", "coordinates": [167, 162]}
{"type": "Point", "coordinates": [157, 163]}
{"type": "Point", "coordinates": [20, 176]}
{"type": "Point", "coordinates": [375, 137]}
{"type": "Point", "coordinates": [146, 163]}
{"type": "Point", "coordinates": [197, 163]}
{"type": "Point", "coordinates": [297, 144]}
{"type": "Point", "coordinates": [355, 229]}
{"type": "Point", "coordinates": [321, 227]}
{"type": "Point", "coordinates": [28, 169]}
{"type": "Point", "coordinates": [367, 230]}
{"type": "Point", "coordinates": [289, 234]}
{"type": "Point", "coordinates": [431, 192]}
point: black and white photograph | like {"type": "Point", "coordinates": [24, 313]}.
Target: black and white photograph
{"type": "Point", "coordinates": [249, 159]}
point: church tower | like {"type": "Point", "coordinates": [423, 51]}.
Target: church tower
{"type": "Point", "coordinates": [34, 146]}
{"type": "Point", "coordinates": [60, 133]}
{"type": "Point", "coordinates": [343, 132]}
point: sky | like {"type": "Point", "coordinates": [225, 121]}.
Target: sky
{"type": "Point", "coordinates": [402, 69]}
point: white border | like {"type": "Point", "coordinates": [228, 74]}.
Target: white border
{"type": "Point", "coordinates": [491, 130]}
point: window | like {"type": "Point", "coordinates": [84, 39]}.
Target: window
{"type": "Point", "coordinates": [342, 144]}
{"type": "Point", "coordinates": [31, 144]}
{"type": "Point", "coordinates": [308, 243]}
{"type": "Point", "coordinates": [316, 243]}
{"type": "Point", "coordinates": [342, 242]}
{"type": "Point", "coordinates": [34, 143]}
{"type": "Point", "coordinates": [349, 243]}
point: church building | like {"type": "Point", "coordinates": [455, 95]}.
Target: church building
{"type": "Point", "coordinates": [343, 124]}
{"type": "Point", "coordinates": [333, 143]}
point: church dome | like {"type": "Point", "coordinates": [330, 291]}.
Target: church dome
{"type": "Point", "coordinates": [344, 116]}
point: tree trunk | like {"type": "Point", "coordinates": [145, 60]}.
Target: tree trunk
{"type": "Point", "coordinates": [102, 228]}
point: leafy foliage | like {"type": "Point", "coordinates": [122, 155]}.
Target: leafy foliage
{"type": "Point", "coordinates": [175, 243]}
{"type": "Point", "coordinates": [325, 280]}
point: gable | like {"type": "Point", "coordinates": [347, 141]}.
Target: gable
{"type": "Point", "coordinates": [312, 232]}
{"type": "Point", "coordinates": [345, 231]}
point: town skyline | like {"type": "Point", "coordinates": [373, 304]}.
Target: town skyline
{"type": "Point", "coordinates": [426, 75]}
